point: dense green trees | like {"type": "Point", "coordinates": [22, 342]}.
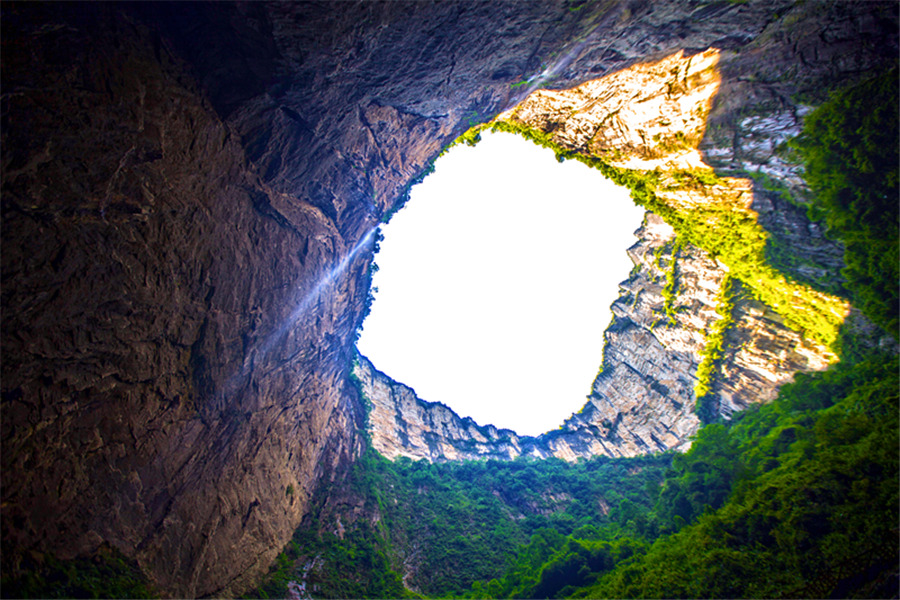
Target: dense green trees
{"type": "Point", "coordinates": [794, 499]}
{"type": "Point", "coordinates": [107, 574]}
{"type": "Point", "coordinates": [812, 497]}
{"type": "Point", "coordinates": [850, 147]}
{"type": "Point", "coordinates": [449, 525]}
{"type": "Point", "coordinates": [797, 498]}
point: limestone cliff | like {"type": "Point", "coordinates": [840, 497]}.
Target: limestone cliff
{"type": "Point", "coordinates": [644, 398]}
{"type": "Point", "coordinates": [663, 118]}
{"type": "Point", "coordinates": [188, 192]}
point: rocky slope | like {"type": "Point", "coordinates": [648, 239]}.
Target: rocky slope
{"type": "Point", "coordinates": [187, 200]}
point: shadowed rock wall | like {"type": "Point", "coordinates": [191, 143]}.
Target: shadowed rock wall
{"type": "Point", "coordinates": [187, 195]}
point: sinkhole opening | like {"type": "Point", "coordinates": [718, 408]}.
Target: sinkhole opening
{"type": "Point", "coordinates": [494, 283]}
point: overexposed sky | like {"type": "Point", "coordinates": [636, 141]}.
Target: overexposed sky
{"type": "Point", "coordinates": [495, 283]}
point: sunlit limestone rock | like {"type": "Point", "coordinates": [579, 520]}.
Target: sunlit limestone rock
{"type": "Point", "coordinates": [651, 117]}
{"type": "Point", "coordinates": [403, 425]}
{"type": "Point", "coordinates": [643, 399]}
{"type": "Point", "coordinates": [647, 116]}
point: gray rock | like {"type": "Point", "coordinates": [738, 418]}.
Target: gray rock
{"type": "Point", "coordinates": [187, 191]}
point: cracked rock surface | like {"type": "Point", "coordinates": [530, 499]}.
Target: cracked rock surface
{"type": "Point", "coordinates": [187, 196]}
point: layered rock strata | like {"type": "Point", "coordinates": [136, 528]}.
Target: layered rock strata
{"type": "Point", "coordinates": [644, 398]}
{"type": "Point", "coordinates": [664, 117]}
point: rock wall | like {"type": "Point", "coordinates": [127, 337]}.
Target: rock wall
{"type": "Point", "coordinates": [170, 367]}
{"type": "Point", "coordinates": [644, 398]}
{"type": "Point", "coordinates": [187, 200]}
{"type": "Point", "coordinates": [669, 116]}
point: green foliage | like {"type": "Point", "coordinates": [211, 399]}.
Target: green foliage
{"type": "Point", "coordinates": [552, 566]}
{"type": "Point", "coordinates": [812, 506]}
{"type": "Point", "coordinates": [850, 149]}
{"type": "Point", "coordinates": [693, 178]}
{"type": "Point", "coordinates": [673, 143]}
{"type": "Point", "coordinates": [468, 518]}
{"type": "Point", "coordinates": [404, 195]}
{"type": "Point", "coordinates": [470, 137]}
{"type": "Point", "coordinates": [729, 233]}
{"type": "Point", "coordinates": [370, 289]}
{"type": "Point", "coordinates": [671, 286]}
{"type": "Point", "coordinates": [771, 185]}
{"type": "Point", "coordinates": [792, 499]}
{"type": "Point", "coordinates": [461, 523]}
{"type": "Point", "coordinates": [714, 350]}
{"type": "Point", "coordinates": [107, 574]}
{"type": "Point", "coordinates": [354, 565]}
{"type": "Point", "coordinates": [337, 562]}
{"type": "Point", "coordinates": [797, 498]}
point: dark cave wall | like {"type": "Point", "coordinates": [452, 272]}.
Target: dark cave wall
{"type": "Point", "coordinates": [149, 401]}
{"type": "Point", "coordinates": [177, 181]}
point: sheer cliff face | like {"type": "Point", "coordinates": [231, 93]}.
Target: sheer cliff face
{"type": "Point", "coordinates": [188, 193]}
{"type": "Point", "coordinates": [664, 117]}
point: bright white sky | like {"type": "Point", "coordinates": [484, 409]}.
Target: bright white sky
{"type": "Point", "coordinates": [495, 283]}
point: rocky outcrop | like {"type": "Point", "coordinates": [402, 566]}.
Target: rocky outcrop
{"type": "Point", "coordinates": [167, 338]}
{"type": "Point", "coordinates": [401, 424]}
{"type": "Point", "coordinates": [657, 117]}
{"type": "Point", "coordinates": [641, 402]}
{"type": "Point", "coordinates": [187, 199]}
{"type": "Point", "coordinates": [644, 398]}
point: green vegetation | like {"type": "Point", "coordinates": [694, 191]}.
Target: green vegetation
{"type": "Point", "coordinates": [455, 524]}
{"type": "Point", "coordinates": [797, 498]}
{"type": "Point", "coordinates": [470, 137]}
{"type": "Point", "coordinates": [673, 143]}
{"type": "Point", "coordinates": [106, 574]}
{"type": "Point", "coordinates": [728, 232]}
{"type": "Point", "coordinates": [772, 185]}
{"type": "Point", "coordinates": [792, 499]}
{"type": "Point", "coordinates": [811, 496]}
{"type": "Point", "coordinates": [355, 564]}
{"type": "Point", "coordinates": [669, 290]}
{"type": "Point", "coordinates": [714, 350]}
{"type": "Point", "coordinates": [694, 179]}
{"type": "Point", "coordinates": [850, 148]}
{"type": "Point", "coordinates": [404, 195]}
{"type": "Point", "coordinates": [371, 290]}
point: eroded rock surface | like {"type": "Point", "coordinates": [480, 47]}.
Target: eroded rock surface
{"type": "Point", "coordinates": [665, 116]}
{"type": "Point", "coordinates": [187, 194]}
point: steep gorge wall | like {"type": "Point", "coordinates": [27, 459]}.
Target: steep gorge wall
{"type": "Point", "coordinates": [668, 118]}
{"type": "Point", "coordinates": [187, 195]}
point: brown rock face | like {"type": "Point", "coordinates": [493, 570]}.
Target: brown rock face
{"type": "Point", "coordinates": [188, 192]}
{"type": "Point", "coordinates": [169, 365]}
